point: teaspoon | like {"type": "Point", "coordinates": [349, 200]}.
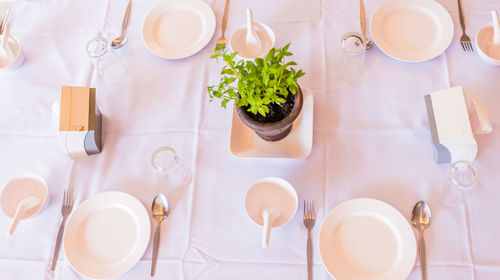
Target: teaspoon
{"type": "Point", "coordinates": [122, 40]}
{"type": "Point", "coordinates": [421, 219]}
{"type": "Point", "coordinates": [160, 212]}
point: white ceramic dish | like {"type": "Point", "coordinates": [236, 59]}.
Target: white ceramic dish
{"type": "Point", "coordinates": [484, 44]}
{"type": "Point", "coordinates": [107, 235]}
{"type": "Point", "coordinates": [238, 44]}
{"type": "Point", "coordinates": [18, 56]}
{"type": "Point", "coordinates": [412, 30]}
{"type": "Point", "coordinates": [245, 143]}
{"type": "Point", "coordinates": [177, 29]}
{"type": "Point", "coordinates": [271, 193]}
{"type": "Point", "coordinates": [367, 239]}
{"type": "Point", "coordinates": [28, 184]}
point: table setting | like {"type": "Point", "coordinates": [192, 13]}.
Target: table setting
{"type": "Point", "coordinates": [223, 139]}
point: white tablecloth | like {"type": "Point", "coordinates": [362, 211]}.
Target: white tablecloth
{"type": "Point", "coordinates": [371, 139]}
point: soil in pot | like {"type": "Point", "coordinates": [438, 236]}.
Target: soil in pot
{"type": "Point", "coordinates": [277, 112]}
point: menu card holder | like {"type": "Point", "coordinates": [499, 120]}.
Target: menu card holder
{"type": "Point", "coordinates": [80, 122]}
{"type": "Point", "coordinates": [452, 133]}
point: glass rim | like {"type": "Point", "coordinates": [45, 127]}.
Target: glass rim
{"type": "Point", "coordinates": [463, 163]}
{"type": "Point", "coordinates": [160, 150]}
{"type": "Point", "coordinates": [358, 36]}
{"type": "Point", "coordinates": [96, 39]}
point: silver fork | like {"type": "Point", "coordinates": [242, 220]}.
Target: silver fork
{"type": "Point", "coordinates": [464, 40]}
{"type": "Point", "coordinates": [222, 41]}
{"type": "Point", "coordinates": [309, 220]}
{"type": "Point", "coordinates": [65, 211]}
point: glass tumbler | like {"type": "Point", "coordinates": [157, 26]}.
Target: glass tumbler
{"type": "Point", "coordinates": [108, 66]}
{"type": "Point", "coordinates": [167, 163]}
{"type": "Point", "coordinates": [462, 177]}
{"type": "Point", "coordinates": [352, 60]}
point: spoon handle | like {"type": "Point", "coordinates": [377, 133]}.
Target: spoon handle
{"type": "Point", "coordinates": [19, 211]}
{"type": "Point", "coordinates": [126, 17]}
{"type": "Point", "coordinates": [362, 16]}
{"type": "Point", "coordinates": [421, 253]}
{"type": "Point", "coordinates": [496, 27]}
{"type": "Point", "coordinates": [155, 249]}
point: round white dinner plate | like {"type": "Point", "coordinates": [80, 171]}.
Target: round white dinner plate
{"type": "Point", "coordinates": [178, 28]}
{"type": "Point", "coordinates": [107, 235]}
{"type": "Point", "coordinates": [412, 30]}
{"type": "Point", "coordinates": [367, 239]}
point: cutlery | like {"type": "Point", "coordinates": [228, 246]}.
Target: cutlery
{"type": "Point", "coordinates": [369, 43]}
{"type": "Point", "coordinates": [309, 220]}
{"type": "Point", "coordinates": [122, 40]}
{"type": "Point", "coordinates": [222, 41]}
{"type": "Point", "coordinates": [464, 40]}
{"type": "Point", "coordinates": [252, 40]}
{"type": "Point", "coordinates": [66, 208]}
{"type": "Point", "coordinates": [421, 219]}
{"type": "Point", "coordinates": [5, 50]}
{"type": "Point", "coordinates": [24, 205]}
{"type": "Point", "coordinates": [496, 28]}
{"type": "Point", "coordinates": [269, 215]}
{"type": "Point", "coordinates": [4, 21]}
{"type": "Point", "coordinates": [160, 212]}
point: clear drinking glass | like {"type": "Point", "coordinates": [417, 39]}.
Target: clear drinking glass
{"type": "Point", "coordinates": [97, 47]}
{"type": "Point", "coordinates": [462, 177]}
{"type": "Point", "coordinates": [352, 60]}
{"type": "Point", "coordinates": [167, 163]}
{"type": "Point", "coordinates": [108, 66]}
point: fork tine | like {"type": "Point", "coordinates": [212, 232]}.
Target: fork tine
{"type": "Point", "coordinates": [463, 46]}
{"type": "Point", "coordinates": [66, 202]}
{"type": "Point", "coordinates": [470, 45]}
{"type": "Point", "coordinates": [70, 198]}
{"type": "Point", "coordinates": [308, 209]}
{"type": "Point", "coordinates": [64, 198]}
{"type": "Point", "coordinates": [304, 209]}
{"type": "Point", "coordinates": [313, 212]}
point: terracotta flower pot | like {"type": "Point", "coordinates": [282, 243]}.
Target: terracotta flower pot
{"type": "Point", "coordinates": [276, 130]}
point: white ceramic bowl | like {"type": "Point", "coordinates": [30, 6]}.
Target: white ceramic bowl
{"type": "Point", "coordinates": [18, 58]}
{"type": "Point", "coordinates": [28, 184]}
{"type": "Point", "coordinates": [271, 192]}
{"type": "Point", "coordinates": [484, 39]}
{"type": "Point", "coordinates": [238, 37]}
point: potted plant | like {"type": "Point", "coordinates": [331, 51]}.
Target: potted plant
{"type": "Point", "coordinates": [265, 90]}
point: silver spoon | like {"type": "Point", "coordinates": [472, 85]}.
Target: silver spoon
{"type": "Point", "coordinates": [120, 41]}
{"type": "Point", "coordinates": [421, 219]}
{"type": "Point", "coordinates": [369, 43]}
{"type": "Point", "coordinates": [160, 212]}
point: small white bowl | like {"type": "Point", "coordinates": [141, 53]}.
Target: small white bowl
{"type": "Point", "coordinates": [484, 40]}
{"type": "Point", "coordinates": [238, 40]}
{"type": "Point", "coordinates": [18, 56]}
{"type": "Point", "coordinates": [271, 192]}
{"type": "Point", "coordinates": [28, 184]}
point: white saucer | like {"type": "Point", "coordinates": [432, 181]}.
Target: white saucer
{"type": "Point", "coordinates": [367, 239]}
{"type": "Point", "coordinates": [107, 235]}
{"type": "Point", "coordinates": [412, 30]}
{"type": "Point", "coordinates": [177, 29]}
{"type": "Point", "coordinates": [245, 143]}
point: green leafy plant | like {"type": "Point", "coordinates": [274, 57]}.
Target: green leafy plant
{"type": "Point", "coordinates": [256, 83]}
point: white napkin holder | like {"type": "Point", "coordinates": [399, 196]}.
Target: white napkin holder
{"type": "Point", "coordinates": [80, 122]}
{"type": "Point", "coordinates": [450, 112]}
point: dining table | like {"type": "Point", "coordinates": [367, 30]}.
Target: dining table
{"type": "Point", "coordinates": [371, 139]}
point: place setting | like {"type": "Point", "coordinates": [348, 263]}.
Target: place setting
{"type": "Point", "coordinates": [361, 238]}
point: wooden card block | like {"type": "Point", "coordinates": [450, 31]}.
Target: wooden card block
{"type": "Point", "coordinates": [77, 109]}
